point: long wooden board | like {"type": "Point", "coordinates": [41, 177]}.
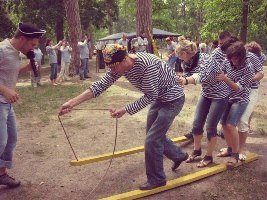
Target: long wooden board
{"type": "Point", "coordinates": [87, 160]}
{"type": "Point", "coordinates": [180, 181]}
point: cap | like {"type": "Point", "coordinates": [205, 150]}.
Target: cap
{"type": "Point", "coordinates": [114, 54]}
{"type": "Point", "coordinates": [30, 30]}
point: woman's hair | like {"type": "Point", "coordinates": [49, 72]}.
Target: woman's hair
{"type": "Point", "coordinates": [237, 49]}
{"type": "Point", "coordinates": [253, 47]}
{"type": "Point", "coordinates": [228, 42]}
{"type": "Point", "coordinates": [47, 42]}
{"type": "Point", "coordinates": [181, 38]}
{"type": "Point", "coordinates": [186, 46]}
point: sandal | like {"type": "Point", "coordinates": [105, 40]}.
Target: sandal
{"type": "Point", "coordinates": [242, 157]}
{"type": "Point", "coordinates": [207, 160]}
{"type": "Point", "coordinates": [194, 154]}
{"type": "Point", "coordinates": [225, 152]}
{"type": "Point", "coordinates": [233, 160]}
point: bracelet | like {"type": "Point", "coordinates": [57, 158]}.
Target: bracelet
{"type": "Point", "coordinates": [186, 81]}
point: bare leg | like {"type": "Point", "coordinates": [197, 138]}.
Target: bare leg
{"type": "Point", "coordinates": [242, 140]}
{"type": "Point", "coordinates": [234, 137]}
{"type": "Point", "coordinates": [211, 146]}
{"type": "Point", "coordinates": [197, 141]}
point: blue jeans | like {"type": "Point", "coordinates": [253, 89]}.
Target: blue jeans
{"type": "Point", "coordinates": [53, 74]}
{"type": "Point", "coordinates": [171, 62]}
{"type": "Point", "coordinates": [84, 69]}
{"type": "Point", "coordinates": [8, 134]}
{"type": "Point", "coordinates": [210, 109]}
{"type": "Point", "coordinates": [233, 113]}
{"type": "Point", "coordinates": [159, 119]}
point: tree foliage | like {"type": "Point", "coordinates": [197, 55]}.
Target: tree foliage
{"type": "Point", "coordinates": [199, 19]}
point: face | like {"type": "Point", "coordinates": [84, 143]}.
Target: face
{"type": "Point", "coordinates": [28, 44]}
{"type": "Point", "coordinates": [184, 56]}
{"type": "Point", "coordinates": [221, 41]}
{"type": "Point", "coordinates": [119, 68]}
{"type": "Point", "coordinates": [235, 60]}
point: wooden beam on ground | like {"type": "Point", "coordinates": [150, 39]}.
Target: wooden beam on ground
{"type": "Point", "coordinates": [83, 161]}
{"type": "Point", "coordinates": [179, 181]}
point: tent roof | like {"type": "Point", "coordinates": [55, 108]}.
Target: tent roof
{"type": "Point", "coordinates": [157, 33]}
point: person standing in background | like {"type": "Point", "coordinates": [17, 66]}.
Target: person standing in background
{"type": "Point", "coordinates": [124, 41]}
{"type": "Point", "coordinates": [52, 55]}
{"type": "Point", "coordinates": [171, 52]}
{"type": "Point", "coordinates": [36, 81]}
{"type": "Point", "coordinates": [84, 56]}
{"type": "Point", "coordinates": [142, 42]}
{"type": "Point", "coordinates": [65, 61]}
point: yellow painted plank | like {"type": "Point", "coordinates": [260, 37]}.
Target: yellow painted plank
{"type": "Point", "coordinates": [88, 160]}
{"type": "Point", "coordinates": [179, 181]}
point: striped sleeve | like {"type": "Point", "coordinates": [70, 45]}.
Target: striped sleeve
{"type": "Point", "coordinates": [100, 86]}
{"type": "Point", "coordinates": [149, 88]}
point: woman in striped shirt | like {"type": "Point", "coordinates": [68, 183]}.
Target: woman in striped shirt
{"type": "Point", "coordinates": [211, 102]}
{"type": "Point", "coordinates": [239, 76]}
{"type": "Point", "coordinates": [257, 59]}
{"type": "Point", "coordinates": [158, 83]}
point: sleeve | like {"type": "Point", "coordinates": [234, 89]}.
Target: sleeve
{"type": "Point", "coordinates": [246, 79]}
{"type": "Point", "coordinates": [149, 88]}
{"type": "Point", "coordinates": [104, 83]}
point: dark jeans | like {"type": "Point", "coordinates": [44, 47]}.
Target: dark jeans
{"type": "Point", "coordinates": [83, 71]}
{"type": "Point", "coordinates": [53, 74]}
{"type": "Point", "coordinates": [159, 119]}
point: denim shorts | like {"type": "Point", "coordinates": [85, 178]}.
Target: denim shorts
{"type": "Point", "coordinates": [233, 113]}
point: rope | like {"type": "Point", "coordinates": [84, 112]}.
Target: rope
{"type": "Point", "coordinates": [113, 152]}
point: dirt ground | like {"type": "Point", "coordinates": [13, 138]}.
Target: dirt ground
{"type": "Point", "coordinates": [42, 155]}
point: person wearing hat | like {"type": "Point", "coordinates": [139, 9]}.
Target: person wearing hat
{"type": "Point", "coordinates": [157, 81]}
{"type": "Point", "coordinates": [25, 39]}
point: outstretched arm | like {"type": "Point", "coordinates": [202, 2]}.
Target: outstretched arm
{"type": "Point", "coordinates": [67, 106]}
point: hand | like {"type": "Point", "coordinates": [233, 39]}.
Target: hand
{"type": "Point", "coordinates": [220, 77]}
{"type": "Point", "coordinates": [117, 113]}
{"type": "Point", "coordinates": [65, 108]}
{"type": "Point", "coordinates": [10, 95]}
{"type": "Point", "coordinates": [181, 80]}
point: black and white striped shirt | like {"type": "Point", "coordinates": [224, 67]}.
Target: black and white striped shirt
{"type": "Point", "coordinates": [242, 76]}
{"type": "Point", "coordinates": [202, 61]}
{"type": "Point", "coordinates": [257, 64]}
{"type": "Point", "coordinates": [218, 55]}
{"type": "Point", "coordinates": [151, 76]}
{"type": "Point", "coordinates": [211, 88]}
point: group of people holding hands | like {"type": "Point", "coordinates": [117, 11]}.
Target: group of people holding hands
{"type": "Point", "coordinates": [229, 78]}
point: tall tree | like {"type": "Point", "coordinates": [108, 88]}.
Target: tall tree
{"type": "Point", "coordinates": [6, 26]}
{"type": "Point", "coordinates": [144, 19]}
{"type": "Point", "coordinates": [75, 31]}
{"type": "Point", "coordinates": [244, 21]}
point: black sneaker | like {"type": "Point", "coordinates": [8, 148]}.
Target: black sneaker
{"type": "Point", "coordinates": [150, 186]}
{"type": "Point", "coordinates": [178, 163]}
{"type": "Point", "coordinates": [9, 181]}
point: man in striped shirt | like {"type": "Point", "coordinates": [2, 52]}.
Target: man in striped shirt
{"type": "Point", "coordinates": [158, 83]}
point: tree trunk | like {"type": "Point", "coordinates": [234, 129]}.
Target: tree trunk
{"type": "Point", "coordinates": [144, 19]}
{"type": "Point", "coordinates": [75, 32]}
{"type": "Point", "coordinates": [244, 21]}
{"type": "Point", "coordinates": [60, 35]}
